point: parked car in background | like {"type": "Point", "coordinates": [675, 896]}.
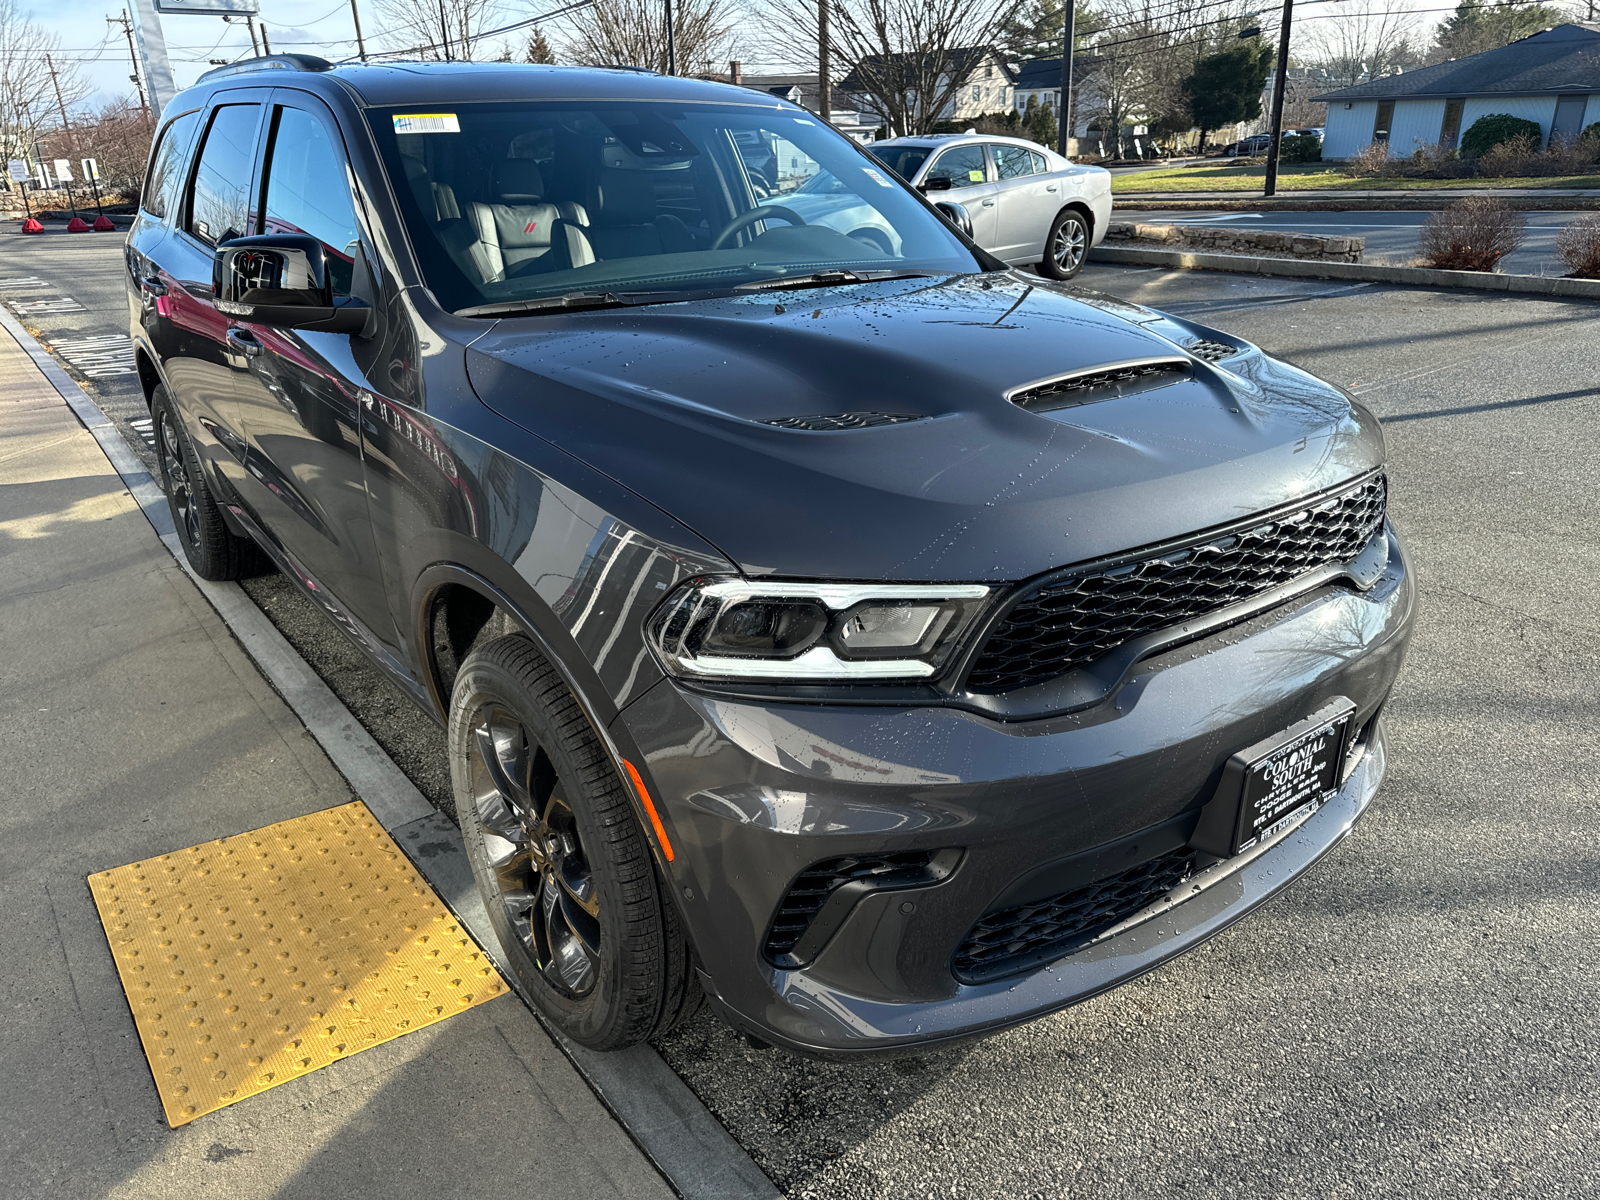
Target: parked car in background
{"type": "Point", "coordinates": [1026, 205]}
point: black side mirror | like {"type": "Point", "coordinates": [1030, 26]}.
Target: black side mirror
{"type": "Point", "coordinates": [956, 214]}
{"type": "Point", "coordinates": [281, 279]}
{"type": "Point", "coordinates": [936, 183]}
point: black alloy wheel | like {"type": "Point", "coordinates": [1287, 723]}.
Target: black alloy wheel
{"type": "Point", "coordinates": [561, 859]}
{"type": "Point", "coordinates": [1067, 246]}
{"type": "Point", "coordinates": [214, 551]}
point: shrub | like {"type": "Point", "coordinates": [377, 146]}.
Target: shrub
{"type": "Point", "coordinates": [1578, 244]}
{"type": "Point", "coordinates": [1369, 162]}
{"type": "Point", "coordinates": [1471, 235]}
{"type": "Point", "coordinates": [1302, 148]}
{"type": "Point", "coordinates": [1489, 131]}
{"type": "Point", "coordinates": [1511, 158]}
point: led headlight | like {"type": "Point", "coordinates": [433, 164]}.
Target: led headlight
{"type": "Point", "coordinates": [738, 629]}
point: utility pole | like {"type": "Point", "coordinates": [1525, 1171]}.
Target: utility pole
{"type": "Point", "coordinates": [824, 65]}
{"type": "Point", "coordinates": [361, 46]}
{"type": "Point", "coordinates": [250, 24]}
{"type": "Point", "coordinates": [152, 43]}
{"type": "Point", "coordinates": [1069, 14]}
{"type": "Point", "coordinates": [66, 126]}
{"type": "Point", "coordinates": [133, 55]}
{"type": "Point", "coordinates": [1276, 144]}
{"type": "Point", "coordinates": [444, 32]}
{"type": "Point", "coordinates": [672, 44]}
{"type": "Point", "coordinates": [266, 46]}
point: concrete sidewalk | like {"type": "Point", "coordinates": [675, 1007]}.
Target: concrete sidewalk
{"type": "Point", "coordinates": [134, 725]}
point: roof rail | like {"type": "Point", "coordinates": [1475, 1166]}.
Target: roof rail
{"type": "Point", "coordinates": [270, 62]}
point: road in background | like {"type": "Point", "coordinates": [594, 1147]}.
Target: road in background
{"type": "Point", "coordinates": [1391, 236]}
{"type": "Point", "coordinates": [1420, 1016]}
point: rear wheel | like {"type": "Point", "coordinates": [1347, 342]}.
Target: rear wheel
{"type": "Point", "coordinates": [1066, 247]}
{"type": "Point", "coordinates": [563, 866]}
{"type": "Point", "coordinates": [214, 551]}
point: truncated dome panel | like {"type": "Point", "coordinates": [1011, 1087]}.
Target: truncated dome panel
{"type": "Point", "coordinates": [253, 960]}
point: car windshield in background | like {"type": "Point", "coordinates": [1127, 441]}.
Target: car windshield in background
{"type": "Point", "coordinates": [624, 202]}
{"type": "Point", "coordinates": [904, 161]}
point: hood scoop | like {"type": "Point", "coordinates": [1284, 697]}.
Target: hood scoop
{"type": "Point", "coordinates": [1101, 383]}
{"type": "Point", "coordinates": [1211, 351]}
{"type": "Point", "coordinates": [852, 420]}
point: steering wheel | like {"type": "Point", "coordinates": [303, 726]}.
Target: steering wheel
{"type": "Point", "coordinates": [750, 216]}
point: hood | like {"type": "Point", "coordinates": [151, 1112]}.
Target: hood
{"type": "Point", "coordinates": [673, 401]}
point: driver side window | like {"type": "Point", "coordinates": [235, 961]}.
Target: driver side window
{"type": "Point", "coordinates": [963, 166]}
{"type": "Point", "coordinates": [307, 191]}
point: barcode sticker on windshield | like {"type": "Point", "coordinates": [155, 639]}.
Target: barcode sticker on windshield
{"type": "Point", "coordinates": [875, 177]}
{"type": "Point", "coordinates": [426, 123]}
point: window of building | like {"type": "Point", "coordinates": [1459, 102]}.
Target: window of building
{"type": "Point", "coordinates": [1384, 122]}
{"type": "Point", "coordinates": [1450, 131]}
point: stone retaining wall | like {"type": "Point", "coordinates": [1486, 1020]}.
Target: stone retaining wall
{"type": "Point", "coordinates": [1239, 241]}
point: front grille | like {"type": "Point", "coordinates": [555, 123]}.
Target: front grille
{"type": "Point", "coordinates": [852, 420]}
{"type": "Point", "coordinates": [1088, 387]}
{"type": "Point", "coordinates": [1211, 351]}
{"type": "Point", "coordinates": [812, 887]}
{"type": "Point", "coordinates": [1069, 622]}
{"type": "Point", "coordinates": [1026, 935]}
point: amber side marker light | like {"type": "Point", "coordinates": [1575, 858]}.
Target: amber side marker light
{"type": "Point", "coordinates": [649, 807]}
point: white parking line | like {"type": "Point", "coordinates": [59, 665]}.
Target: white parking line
{"type": "Point", "coordinates": [97, 357]}
{"type": "Point", "coordinates": [145, 428]}
{"type": "Point", "coordinates": [22, 281]}
{"type": "Point", "coordinates": [60, 304]}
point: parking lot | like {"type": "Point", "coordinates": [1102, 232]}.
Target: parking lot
{"type": "Point", "coordinates": [1420, 1015]}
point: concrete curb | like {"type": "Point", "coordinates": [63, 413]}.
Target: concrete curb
{"type": "Point", "coordinates": [1357, 202]}
{"type": "Point", "coordinates": [1294, 268]}
{"type": "Point", "coordinates": [697, 1157]}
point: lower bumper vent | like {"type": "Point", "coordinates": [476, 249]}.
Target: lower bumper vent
{"type": "Point", "coordinates": [823, 894]}
{"type": "Point", "coordinates": [1028, 935]}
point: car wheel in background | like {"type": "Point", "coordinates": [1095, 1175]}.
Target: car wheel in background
{"type": "Point", "coordinates": [1066, 247]}
{"type": "Point", "coordinates": [563, 866]}
{"type": "Point", "coordinates": [213, 550]}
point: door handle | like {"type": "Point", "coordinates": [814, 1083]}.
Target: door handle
{"type": "Point", "coordinates": [1049, 187]}
{"type": "Point", "coordinates": [988, 203]}
{"type": "Point", "coordinates": [152, 286]}
{"type": "Point", "coordinates": [242, 341]}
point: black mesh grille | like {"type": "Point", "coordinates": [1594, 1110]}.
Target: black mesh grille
{"type": "Point", "coordinates": [1026, 935]}
{"type": "Point", "coordinates": [1100, 385]}
{"type": "Point", "coordinates": [1073, 621]}
{"type": "Point", "coordinates": [812, 887]}
{"type": "Point", "coordinates": [1212, 351]}
{"type": "Point", "coordinates": [855, 420]}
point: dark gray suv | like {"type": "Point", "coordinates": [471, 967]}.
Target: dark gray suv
{"type": "Point", "coordinates": [824, 618]}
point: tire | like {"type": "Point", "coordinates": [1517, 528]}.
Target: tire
{"type": "Point", "coordinates": [214, 551]}
{"type": "Point", "coordinates": [1067, 246]}
{"type": "Point", "coordinates": [561, 861]}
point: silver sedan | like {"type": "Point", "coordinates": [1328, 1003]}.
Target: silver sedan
{"type": "Point", "coordinates": [1027, 205]}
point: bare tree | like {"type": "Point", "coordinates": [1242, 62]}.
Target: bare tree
{"type": "Point", "coordinates": [118, 139]}
{"type": "Point", "coordinates": [905, 59]}
{"type": "Point", "coordinates": [1353, 41]}
{"type": "Point", "coordinates": [439, 29]}
{"type": "Point", "coordinates": [633, 33]}
{"type": "Point", "coordinates": [27, 98]}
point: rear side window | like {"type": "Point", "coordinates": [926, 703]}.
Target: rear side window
{"type": "Point", "coordinates": [1013, 162]}
{"type": "Point", "coordinates": [166, 166]}
{"type": "Point", "coordinates": [308, 192]}
{"type": "Point", "coordinates": [219, 204]}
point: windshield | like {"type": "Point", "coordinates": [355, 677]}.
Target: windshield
{"type": "Point", "coordinates": [645, 201]}
{"type": "Point", "coordinates": [904, 161]}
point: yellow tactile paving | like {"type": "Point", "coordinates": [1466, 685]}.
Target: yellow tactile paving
{"type": "Point", "coordinates": [252, 960]}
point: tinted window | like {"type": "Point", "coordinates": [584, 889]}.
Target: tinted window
{"type": "Point", "coordinates": [166, 166]}
{"type": "Point", "coordinates": [1040, 163]}
{"type": "Point", "coordinates": [904, 161]}
{"type": "Point", "coordinates": [1013, 162]}
{"type": "Point", "coordinates": [219, 206]}
{"type": "Point", "coordinates": [307, 191]}
{"type": "Point", "coordinates": [961, 165]}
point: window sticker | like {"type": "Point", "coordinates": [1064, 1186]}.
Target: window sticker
{"type": "Point", "coordinates": [875, 177]}
{"type": "Point", "coordinates": [803, 121]}
{"type": "Point", "coordinates": [426, 123]}
{"type": "Point", "coordinates": [975, 176]}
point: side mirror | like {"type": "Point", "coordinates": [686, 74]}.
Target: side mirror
{"type": "Point", "coordinates": [956, 214]}
{"type": "Point", "coordinates": [281, 279]}
{"type": "Point", "coordinates": [937, 183]}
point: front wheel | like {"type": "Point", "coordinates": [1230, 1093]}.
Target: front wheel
{"type": "Point", "coordinates": [1066, 247]}
{"type": "Point", "coordinates": [562, 864]}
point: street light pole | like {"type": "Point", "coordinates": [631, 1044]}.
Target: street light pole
{"type": "Point", "coordinates": [361, 46]}
{"type": "Point", "coordinates": [1069, 15]}
{"type": "Point", "coordinates": [1276, 144]}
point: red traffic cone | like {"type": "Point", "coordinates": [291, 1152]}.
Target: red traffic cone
{"type": "Point", "coordinates": [77, 225]}
{"type": "Point", "coordinates": [102, 224]}
{"type": "Point", "coordinates": [32, 225]}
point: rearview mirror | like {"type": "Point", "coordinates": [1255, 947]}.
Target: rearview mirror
{"type": "Point", "coordinates": [936, 183]}
{"type": "Point", "coordinates": [281, 279]}
{"type": "Point", "coordinates": [956, 214]}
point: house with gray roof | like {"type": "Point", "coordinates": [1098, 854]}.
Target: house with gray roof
{"type": "Point", "coordinates": [1551, 77]}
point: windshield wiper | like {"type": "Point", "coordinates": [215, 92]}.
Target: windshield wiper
{"type": "Point", "coordinates": [568, 300]}
{"type": "Point", "coordinates": [831, 278]}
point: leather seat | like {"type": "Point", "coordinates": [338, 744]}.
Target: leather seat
{"type": "Point", "coordinates": [625, 220]}
{"type": "Point", "coordinates": [521, 226]}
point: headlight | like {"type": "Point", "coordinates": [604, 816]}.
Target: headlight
{"type": "Point", "coordinates": [738, 629]}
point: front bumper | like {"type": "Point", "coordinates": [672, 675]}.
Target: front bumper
{"type": "Point", "coordinates": [756, 793]}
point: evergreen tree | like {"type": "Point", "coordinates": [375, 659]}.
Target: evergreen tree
{"type": "Point", "coordinates": [1035, 30]}
{"type": "Point", "coordinates": [539, 49]}
{"type": "Point", "coordinates": [1226, 87]}
{"type": "Point", "coordinates": [1477, 26]}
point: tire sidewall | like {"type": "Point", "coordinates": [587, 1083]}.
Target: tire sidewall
{"type": "Point", "coordinates": [1048, 265]}
{"type": "Point", "coordinates": [163, 410]}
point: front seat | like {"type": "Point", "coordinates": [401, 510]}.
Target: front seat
{"type": "Point", "coordinates": [625, 220]}
{"type": "Point", "coordinates": [521, 227]}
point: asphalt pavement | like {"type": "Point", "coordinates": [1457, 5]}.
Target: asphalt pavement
{"type": "Point", "coordinates": [1420, 1016]}
{"type": "Point", "coordinates": [1391, 236]}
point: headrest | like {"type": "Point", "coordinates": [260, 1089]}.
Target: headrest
{"type": "Point", "coordinates": [624, 198]}
{"type": "Point", "coordinates": [518, 181]}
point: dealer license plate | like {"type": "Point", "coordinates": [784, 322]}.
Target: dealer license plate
{"type": "Point", "coordinates": [1290, 781]}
